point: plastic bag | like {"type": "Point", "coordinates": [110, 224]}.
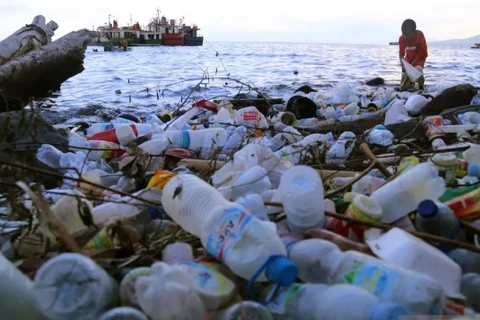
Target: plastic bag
{"type": "Point", "coordinates": [413, 73]}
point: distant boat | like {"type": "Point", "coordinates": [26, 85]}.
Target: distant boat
{"type": "Point", "coordinates": [477, 46]}
{"type": "Point", "coordinates": [395, 43]}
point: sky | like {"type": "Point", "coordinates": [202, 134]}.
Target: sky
{"type": "Point", "coordinates": [338, 21]}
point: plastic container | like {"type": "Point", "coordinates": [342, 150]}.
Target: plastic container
{"type": "Point", "coordinates": [316, 301]}
{"type": "Point", "coordinates": [322, 261]}
{"type": "Point", "coordinates": [178, 252]}
{"type": "Point", "coordinates": [128, 296]}
{"type": "Point", "coordinates": [341, 150]}
{"type": "Point", "coordinates": [180, 122]}
{"type": "Point", "coordinates": [402, 195]}
{"type": "Point", "coordinates": [407, 251]}
{"type": "Point", "coordinates": [470, 286]}
{"type": "Point", "coordinates": [152, 118]}
{"type": "Point", "coordinates": [17, 298]}
{"type": "Point", "coordinates": [467, 206]}
{"type": "Point", "coordinates": [168, 294]}
{"type": "Point", "coordinates": [446, 164]}
{"type": "Point", "coordinates": [70, 209]}
{"type": "Point", "coordinates": [472, 154]}
{"type": "Point", "coordinates": [437, 219]}
{"type": "Point", "coordinates": [367, 185]}
{"type": "Point", "coordinates": [396, 113]}
{"type": "Point", "coordinates": [254, 180]}
{"type": "Point", "coordinates": [235, 140]}
{"type": "Point", "coordinates": [407, 163]}
{"type": "Point", "coordinates": [249, 309]}
{"type": "Point", "coordinates": [416, 103]}
{"type": "Point", "coordinates": [253, 203]}
{"type": "Point", "coordinates": [432, 126]}
{"type": "Point", "coordinates": [123, 313]}
{"type": "Point", "coordinates": [379, 135]}
{"type": "Point", "coordinates": [50, 156]}
{"type": "Point", "coordinates": [301, 189]}
{"type": "Point", "coordinates": [250, 247]}
{"type": "Point", "coordinates": [251, 116]}
{"type": "Point", "coordinates": [194, 139]}
{"type": "Point", "coordinates": [72, 286]}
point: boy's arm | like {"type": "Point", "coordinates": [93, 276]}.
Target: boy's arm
{"type": "Point", "coordinates": [422, 52]}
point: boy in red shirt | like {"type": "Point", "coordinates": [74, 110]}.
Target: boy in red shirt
{"type": "Point", "coordinates": [413, 48]}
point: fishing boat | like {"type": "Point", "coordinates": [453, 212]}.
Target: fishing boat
{"type": "Point", "coordinates": [159, 31]}
{"type": "Point", "coordinates": [393, 43]}
{"type": "Point", "coordinates": [476, 46]}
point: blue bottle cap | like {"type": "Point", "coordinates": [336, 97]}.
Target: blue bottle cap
{"type": "Point", "coordinates": [388, 311]}
{"type": "Point", "coordinates": [427, 208]}
{"type": "Point", "coordinates": [473, 170]}
{"type": "Point", "coordinates": [148, 117]}
{"type": "Point", "coordinates": [379, 127]}
{"type": "Point", "coordinates": [281, 271]}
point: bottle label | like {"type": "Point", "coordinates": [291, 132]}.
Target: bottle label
{"type": "Point", "coordinates": [381, 281]}
{"type": "Point", "coordinates": [228, 229]}
{"type": "Point", "coordinates": [279, 303]}
{"type": "Point", "coordinates": [208, 279]}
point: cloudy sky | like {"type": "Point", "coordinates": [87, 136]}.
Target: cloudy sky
{"type": "Point", "coordinates": [339, 21]}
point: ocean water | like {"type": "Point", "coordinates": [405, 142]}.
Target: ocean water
{"type": "Point", "coordinates": [151, 79]}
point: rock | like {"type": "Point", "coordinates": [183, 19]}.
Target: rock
{"type": "Point", "coordinates": [23, 133]}
{"type": "Point", "coordinates": [302, 107]}
{"type": "Point", "coordinates": [305, 89]}
{"type": "Point", "coordinates": [375, 82]}
{"type": "Point", "coordinates": [457, 96]}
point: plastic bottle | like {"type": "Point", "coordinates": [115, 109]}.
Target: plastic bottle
{"type": "Point", "coordinates": [250, 115]}
{"type": "Point", "coordinates": [402, 195]}
{"type": "Point", "coordinates": [178, 252]}
{"type": "Point", "coordinates": [127, 132]}
{"type": "Point", "coordinates": [342, 242]}
{"type": "Point", "coordinates": [396, 113]}
{"type": "Point", "coordinates": [180, 122]}
{"type": "Point", "coordinates": [98, 127]}
{"type": "Point", "coordinates": [226, 231]}
{"type": "Point", "coordinates": [467, 260]}
{"type": "Point", "coordinates": [379, 135]}
{"type": "Point", "coordinates": [73, 160]}
{"type": "Point", "coordinates": [128, 296]}
{"type": "Point", "coordinates": [254, 180]}
{"type": "Point", "coordinates": [103, 150]}
{"type": "Point", "coordinates": [317, 301]}
{"type": "Point", "coordinates": [470, 288]}
{"type": "Point", "coordinates": [367, 185]}
{"type": "Point", "coordinates": [235, 140]}
{"type": "Point", "coordinates": [194, 139]}
{"type": "Point", "coordinates": [98, 177]}
{"type": "Point", "coordinates": [70, 208]}
{"type": "Point", "coordinates": [209, 147]}
{"type": "Point", "coordinates": [246, 310]}
{"type": "Point", "coordinates": [253, 203]}
{"type": "Point", "coordinates": [276, 142]}
{"type": "Point", "coordinates": [446, 164]}
{"type": "Point", "coordinates": [152, 118]}
{"type": "Point", "coordinates": [17, 299]}
{"type": "Point", "coordinates": [72, 286]}
{"type": "Point", "coordinates": [342, 149]}
{"type": "Point", "coordinates": [407, 163]}
{"type": "Point", "coordinates": [302, 196]}
{"type": "Point", "coordinates": [123, 313]}
{"type": "Point", "coordinates": [49, 155]}
{"type": "Point", "coordinates": [437, 219]}
{"type": "Point", "coordinates": [320, 261]}
{"type": "Point", "coordinates": [472, 154]}
{"type": "Point", "coordinates": [168, 294]}
{"type": "Point", "coordinates": [223, 118]}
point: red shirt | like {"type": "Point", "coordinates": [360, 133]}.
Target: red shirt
{"type": "Point", "coordinates": [414, 49]}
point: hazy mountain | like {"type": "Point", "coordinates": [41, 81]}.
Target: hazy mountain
{"type": "Point", "coordinates": [469, 42]}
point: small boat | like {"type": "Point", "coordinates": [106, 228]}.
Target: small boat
{"type": "Point", "coordinates": [110, 47]}
{"type": "Point", "coordinates": [393, 43]}
{"type": "Point", "coordinates": [477, 46]}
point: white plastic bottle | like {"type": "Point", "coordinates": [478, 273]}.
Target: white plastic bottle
{"type": "Point", "coordinates": [318, 301]}
{"type": "Point", "coordinates": [222, 119]}
{"type": "Point", "coordinates": [75, 160]}
{"type": "Point", "coordinates": [254, 180]}
{"type": "Point", "coordinates": [180, 122]}
{"type": "Point", "coordinates": [402, 195]}
{"type": "Point", "coordinates": [50, 156]}
{"type": "Point", "coordinates": [194, 139]}
{"type": "Point", "coordinates": [168, 294]}
{"type": "Point", "coordinates": [302, 196]}
{"type": "Point", "coordinates": [379, 135]}
{"type": "Point", "coordinates": [322, 261]}
{"type": "Point", "coordinates": [235, 140]}
{"type": "Point", "coordinates": [250, 247]}
{"type": "Point", "coordinates": [209, 147]}
{"type": "Point", "coordinates": [253, 203]}
{"type": "Point", "coordinates": [178, 252]}
{"type": "Point", "coordinates": [123, 313]}
{"type": "Point", "coordinates": [341, 150]}
{"type": "Point", "coordinates": [72, 286]}
{"type": "Point", "coordinates": [17, 299]}
{"type": "Point", "coordinates": [152, 118]}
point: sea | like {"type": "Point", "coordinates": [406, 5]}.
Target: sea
{"type": "Point", "coordinates": [152, 79]}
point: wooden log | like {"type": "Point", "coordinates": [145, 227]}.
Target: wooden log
{"type": "Point", "coordinates": [38, 72]}
{"type": "Point", "coordinates": [27, 38]}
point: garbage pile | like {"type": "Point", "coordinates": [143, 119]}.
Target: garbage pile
{"type": "Point", "coordinates": [237, 214]}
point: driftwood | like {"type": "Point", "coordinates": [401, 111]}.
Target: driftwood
{"type": "Point", "coordinates": [42, 70]}
{"type": "Point", "coordinates": [27, 38]}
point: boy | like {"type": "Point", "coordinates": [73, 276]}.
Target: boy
{"type": "Point", "coordinates": [413, 48]}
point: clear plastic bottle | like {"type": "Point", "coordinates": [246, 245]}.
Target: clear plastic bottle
{"type": "Point", "coordinates": [320, 261]}
{"type": "Point", "coordinates": [17, 299]}
{"type": "Point", "coordinates": [123, 313]}
{"type": "Point", "coordinates": [253, 203]}
{"type": "Point", "coordinates": [71, 286]}
{"type": "Point", "coordinates": [194, 139]}
{"type": "Point", "coordinates": [318, 301]}
{"type": "Point", "coordinates": [50, 156]}
{"type": "Point", "coordinates": [209, 147]}
{"type": "Point", "coordinates": [178, 252]}
{"type": "Point", "coordinates": [302, 196]}
{"type": "Point", "coordinates": [250, 247]}
{"type": "Point", "coordinates": [235, 140]}
{"type": "Point", "coordinates": [254, 180]}
{"type": "Point", "coordinates": [152, 118]}
{"type": "Point", "coordinates": [128, 296]}
{"type": "Point", "coordinates": [437, 219]}
{"type": "Point", "coordinates": [180, 122]}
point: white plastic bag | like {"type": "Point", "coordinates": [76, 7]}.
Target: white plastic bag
{"type": "Point", "coordinates": [416, 103]}
{"type": "Point", "coordinates": [413, 73]}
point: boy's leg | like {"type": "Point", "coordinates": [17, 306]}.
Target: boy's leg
{"type": "Point", "coordinates": [421, 80]}
{"type": "Point", "coordinates": [405, 83]}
